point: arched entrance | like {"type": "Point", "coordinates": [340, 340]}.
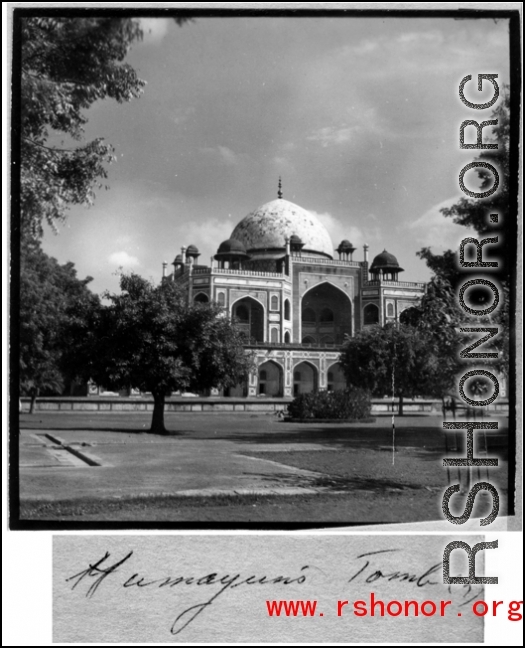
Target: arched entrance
{"type": "Point", "coordinates": [249, 316]}
{"type": "Point", "coordinates": [304, 378]}
{"type": "Point", "coordinates": [335, 378]}
{"type": "Point", "coordinates": [371, 314]}
{"type": "Point", "coordinates": [270, 379]}
{"type": "Point", "coordinates": [201, 298]}
{"type": "Point", "coordinates": [326, 315]}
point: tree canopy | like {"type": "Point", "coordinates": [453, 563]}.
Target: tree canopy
{"type": "Point", "coordinates": [66, 65]}
{"type": "Point", "coordinates": [474, 213]}
{"type": "Point", "coordinates": [56, 309]}
{"type": "Point", "coordinates": [436, 321]}
{"type": "Point", "coordinates": [423, 350]}
{"type": "Point", "coordinates": [150, 338]}
{"type": "Point", "coordinates": [377, 354]}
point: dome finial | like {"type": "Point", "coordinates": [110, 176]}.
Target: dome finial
{"type": "Point", "coordinates": [279, 191]}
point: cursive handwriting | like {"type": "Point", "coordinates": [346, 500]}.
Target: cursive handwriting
{"type": "Point", "coordinates": [369, 570]}
{"type": "Point", "coordinates": [100, 570]}
{"type": "Point", "coordinates": [97, 572]}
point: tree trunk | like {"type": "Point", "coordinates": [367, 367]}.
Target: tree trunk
{"type": "Point", "coordinates": [33, 393]}
{"type": "Point", "coordinates": [157, 421]}
{"type": "Point", "coordinates": [400, 404]}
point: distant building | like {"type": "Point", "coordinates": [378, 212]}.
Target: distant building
{"type": "Point", "coordinates": [277, 276]}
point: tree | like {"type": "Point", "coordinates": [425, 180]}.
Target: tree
{"type": "Point", "coordinates": [66, 65]}
{"type": "Point", "coordinates": [440, 317]}
{"type": "Point", "coordinates": [150, 338]}
{"type": "Point", "coordinates": [379, 359]}
{"type": "Point", "coordinates": [55, 311]}
{"type": "Point", "coordinates": [474, 213]}
{"type": "Point", "coordinates": [437, 318]}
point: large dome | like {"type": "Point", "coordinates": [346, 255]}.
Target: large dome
{"type": "Point", "coordinates": [266, 228]}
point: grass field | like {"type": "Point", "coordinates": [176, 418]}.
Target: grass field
{"type": "Point", "coordinates": [338, 473]}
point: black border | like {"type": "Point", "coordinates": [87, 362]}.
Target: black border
{"type": "Point", "coordinates": [511, 229]}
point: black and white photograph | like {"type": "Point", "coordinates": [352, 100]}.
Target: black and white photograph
{"type": "Point", "coordinates": [263, 267]}
{"type": "Point", "coordinates": [264, 303]}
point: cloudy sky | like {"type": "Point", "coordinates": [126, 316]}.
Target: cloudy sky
{"type": "Point", "coordinates": [360, 117]}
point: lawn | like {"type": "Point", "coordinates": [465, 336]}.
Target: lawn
{"type": "Point", "coordinates": [346, 470]}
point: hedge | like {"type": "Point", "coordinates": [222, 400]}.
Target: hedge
{"type": "Point", "coordinates": [351, 403]}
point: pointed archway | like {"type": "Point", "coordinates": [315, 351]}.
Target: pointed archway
{"type": "Point", "coordinates": [248, 313]}
{"type": "Point", "coordinates": [370, 314]}
{"type": "Point", "coordinates": [270, 379]}
{"type": "Point", "coordinates": [305, 378]}
{"type": "Point", "coordinates": [335, 377]}
{"type": "Point", "coordinates": [326, 315]}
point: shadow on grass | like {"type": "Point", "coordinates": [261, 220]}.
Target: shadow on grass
{"type": "Point", "coordinates": [340, 483]}
{"type": "Point", "coordinates": [430, 438]}
{"type": "Point", "coordinates": [427, 439]}
{"type": "Point", "coordinates": [352, 437]}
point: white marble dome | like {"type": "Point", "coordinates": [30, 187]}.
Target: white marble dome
{"type": "Point", "coordinates": [267, 227]}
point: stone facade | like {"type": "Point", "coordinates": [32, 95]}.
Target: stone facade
{"type": "Point", "coordinates": [277, 276]}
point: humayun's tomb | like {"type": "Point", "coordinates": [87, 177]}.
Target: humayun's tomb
{"type": "Point", "coordinates": [295, 297]}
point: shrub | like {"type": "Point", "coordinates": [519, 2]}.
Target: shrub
{"type": "Point", "coordinates": [351, 403]}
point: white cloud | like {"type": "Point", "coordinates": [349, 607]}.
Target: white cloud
{"type": "Point", "coordinates": [283, 164]}
{"type": "Point", "coordinates": [332, 135]}
{"type": "Point", "coordinates": [124, 239]}
{"type": "Point", "coordinates": [123, 259]}
{"type": "Point", "coordinates": [433, 229]}
{"type": "Point", "coordinates": [181, 115]}
{"type": "Point", "coordinates": [226, 155]}
{"type": "Point", "coordinates": [426, 38]}
{"type": "Point", "coordinates": [206, 235]}
{"type": "Point", "coordinates": [365, 46]}
{"type": "Point", "coordinates": [402, 43]}
{"type": "Point", "coordinates": [418, 52]}
{"type": "Point", "coordinates": [340, 230]}
{"type": "Point", "coordinates": [365, 123]}
{"type": "Point", "coordinates": [154, 29]}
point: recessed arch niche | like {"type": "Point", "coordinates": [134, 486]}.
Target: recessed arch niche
{"type": "Point", "coordinates": [305, 378]}
{"type": "Point", "coordinates": [270, 378]}
{"type": "Point", "coordinates": [326, 314]}
{"type": "Point", "coordinates": [248, 313]}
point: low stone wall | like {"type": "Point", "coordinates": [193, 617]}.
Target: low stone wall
{"type": "Point", "coordinates": [122, 404]}
{"type": "Point", "coordinates": [145, 404]}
